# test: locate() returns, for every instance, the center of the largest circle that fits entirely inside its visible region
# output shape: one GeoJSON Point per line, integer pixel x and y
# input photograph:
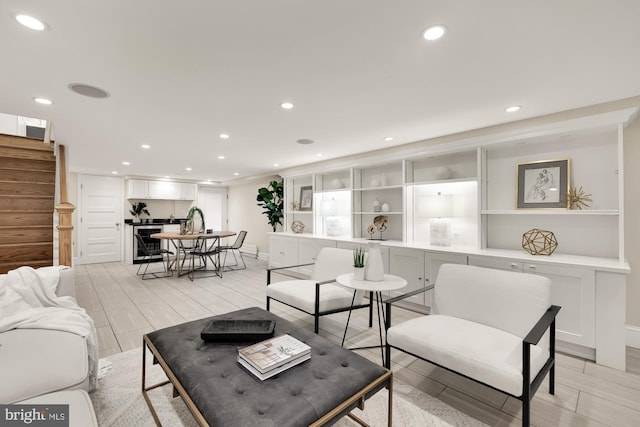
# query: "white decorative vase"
{"type": "Point", "coordinates": [374, 269]}
{"type": "Point", "coordinates": [385, 207]}
{"type": "Point", "coordinates": [376, 205]}
{"type": "Point", "coordinates": [443, 172]}
{"type": "Point", "coordinates": [358, 273]}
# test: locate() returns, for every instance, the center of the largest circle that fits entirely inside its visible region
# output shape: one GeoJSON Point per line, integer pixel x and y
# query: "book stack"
{"type": "Point", "coordinates": [274, 355]}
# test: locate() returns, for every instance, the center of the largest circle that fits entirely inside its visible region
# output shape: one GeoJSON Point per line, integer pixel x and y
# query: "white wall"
{"type": "Point", "coordinates": [245, 214]}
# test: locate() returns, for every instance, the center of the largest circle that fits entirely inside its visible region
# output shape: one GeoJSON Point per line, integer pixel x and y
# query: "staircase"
{"type": "Point", "coordinates": [27, 198]}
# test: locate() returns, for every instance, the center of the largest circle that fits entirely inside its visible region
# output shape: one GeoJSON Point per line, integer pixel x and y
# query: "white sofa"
{"type": "Point", "coordinates": [494, 327]}
{"type": "Point", "coordinates": [47, 366]}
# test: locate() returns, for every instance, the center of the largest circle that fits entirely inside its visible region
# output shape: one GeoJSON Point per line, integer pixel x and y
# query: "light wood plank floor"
{"type": "Point", "coordinates": [124, 307]}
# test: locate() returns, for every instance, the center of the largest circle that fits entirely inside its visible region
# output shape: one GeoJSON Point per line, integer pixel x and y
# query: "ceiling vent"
{"type": "Point", "coordinates": [87, 90]}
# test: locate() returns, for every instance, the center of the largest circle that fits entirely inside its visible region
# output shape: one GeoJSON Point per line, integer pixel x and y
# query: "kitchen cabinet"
{"type": "Point", "coordinates": [137, 189]}
{"type": "Point", "coordinates": [161, 190]}
{"type": "Point", "coordinates": [433, 261]}
{"type": "Point", "coordinates": [410, 265]}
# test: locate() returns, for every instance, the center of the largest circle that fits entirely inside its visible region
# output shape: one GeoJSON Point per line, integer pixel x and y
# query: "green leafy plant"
{"type": "Point", "coordinates": [190, 217]}
{"type": "Point", "coordinates": [271, 198]}
{"type": "Point", "coordinates": [358, 257]}
{"type": "Point", "coordinates": [138, 209]}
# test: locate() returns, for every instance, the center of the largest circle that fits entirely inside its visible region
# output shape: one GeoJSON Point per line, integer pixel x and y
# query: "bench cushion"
{"type": "Point", "coordinates": [81, 413]}
{"type": "Point", "coordinates": [302, 294]}
{"type": "Point", "coordinates": [486, 354]}
{"type": "Point", "coordinates": [38, 361]}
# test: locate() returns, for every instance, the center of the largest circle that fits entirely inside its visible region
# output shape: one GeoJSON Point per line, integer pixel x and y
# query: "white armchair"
{"type": "Point", "coordinates": [487, 325]}
{"type": "Point", "coordinates": [320, 295]}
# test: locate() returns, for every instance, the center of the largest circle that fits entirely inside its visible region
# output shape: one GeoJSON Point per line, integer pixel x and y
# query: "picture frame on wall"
{"type": "Point", "coordinates": [306, 198]}
{"type": "Point", "coordinates": [543, 184]}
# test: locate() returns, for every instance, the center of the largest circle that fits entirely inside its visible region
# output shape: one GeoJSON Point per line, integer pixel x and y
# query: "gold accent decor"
{"type": "Point", "coordinates": [539, 242]}
{"type": "Point", "coordinates": [578, 198]}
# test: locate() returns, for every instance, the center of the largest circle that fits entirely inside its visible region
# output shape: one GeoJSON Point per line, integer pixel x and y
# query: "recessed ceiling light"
{"type": "Point", "coordinates": [31, 22]}
{"type": "Point", "coordinates": [114, 172]}
{"type": "Point", "coordinates": [43, 101]}
{"type": "Point", "coordinates": [276, 164]}
{"type": "Point", "coordinates": [319, 155]}
{"type": "Point", "coordinates": [224, 136]}
{"type": "Point", "coordinates": [208, 180]}
{"type": "Point", "coordinates": [221, 157]}
{"type": "Point", "coordinates": [88, 90]}
{"type": "Point", "coordinates": [513, 108]}
{"type": "Point", "coordinates": [126, 163]}
{"type": "Point", "coordinates": [188, 169]}
{"type": "Point", "coordinates": [305, 141]}
{"type": "Point", "coordinates": [236, 173]}
{"type": "Point", "coordinates": [167, 176]}
{"type": "Point", "coordinates": [388, 138]}
{"type": "Point", "coordinates": [434, 32]}
{"type": "Point", "coordinates": [145, 146]}
{"type": "Point", "coordinates": [287, 105]}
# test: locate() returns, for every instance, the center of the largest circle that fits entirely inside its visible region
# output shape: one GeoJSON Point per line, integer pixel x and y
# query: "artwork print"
{"type": "Point", "coordinates": [543, 184]}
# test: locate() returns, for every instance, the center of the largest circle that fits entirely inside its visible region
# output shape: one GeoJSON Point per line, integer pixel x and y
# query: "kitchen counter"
{"type": "Point", "coordinates": [154, 221]}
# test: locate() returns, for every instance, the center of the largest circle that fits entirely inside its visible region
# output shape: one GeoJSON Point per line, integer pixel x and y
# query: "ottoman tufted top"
{"type": "Point", "coordinates": [228, 395]}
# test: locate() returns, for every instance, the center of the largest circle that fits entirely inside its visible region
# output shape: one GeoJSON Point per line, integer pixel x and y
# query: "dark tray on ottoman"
{"type": "Point", "coordinates": [237, 330]}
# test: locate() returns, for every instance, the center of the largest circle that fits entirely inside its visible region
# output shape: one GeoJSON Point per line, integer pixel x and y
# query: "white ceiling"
{"type": "Point", "coordinates": [181, 72]}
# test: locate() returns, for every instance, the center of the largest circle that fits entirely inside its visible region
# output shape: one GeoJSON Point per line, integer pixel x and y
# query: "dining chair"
{"type": "Point", "coordinates": [205, 250]}
{"type": "Point", "coordinates": [235, 248]}
{"type": "Point", "coordinates": [149, 255]}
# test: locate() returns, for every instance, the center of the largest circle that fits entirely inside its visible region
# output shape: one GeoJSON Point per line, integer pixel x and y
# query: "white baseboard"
{"type": "Point", "coordinates": [633, 336]}
{"type": "Point", "coordinates": [263, 256]}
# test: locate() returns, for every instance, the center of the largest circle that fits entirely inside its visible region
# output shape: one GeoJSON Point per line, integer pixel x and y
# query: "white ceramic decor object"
{"type": "Point", "coordinates": [374, 269]}
{"type": "Point", "coordinates": [385, 207]}
{"type": "Point", "coordinates": [376, 205]}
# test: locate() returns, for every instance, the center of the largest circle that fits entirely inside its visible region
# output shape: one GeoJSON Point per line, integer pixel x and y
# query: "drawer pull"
{"type": "Point", "coordinates": [513, 265]}
{"type": "Point", "coordinates": [531, 267]}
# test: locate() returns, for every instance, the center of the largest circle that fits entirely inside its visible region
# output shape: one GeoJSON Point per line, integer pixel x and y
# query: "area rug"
{"type": "Point", "coordinates": [118, 402]}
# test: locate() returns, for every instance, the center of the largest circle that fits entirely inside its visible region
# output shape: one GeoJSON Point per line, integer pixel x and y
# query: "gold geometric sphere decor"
{"type": "Point", "coordinates": [539, 242]}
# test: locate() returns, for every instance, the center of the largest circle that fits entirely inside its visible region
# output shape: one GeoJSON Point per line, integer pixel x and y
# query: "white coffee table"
{"type": "Point", "coordinates": [390, 283]}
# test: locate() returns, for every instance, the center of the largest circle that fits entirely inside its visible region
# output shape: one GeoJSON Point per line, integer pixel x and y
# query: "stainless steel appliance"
{"type": "Point", "coordinates": [145, 231]}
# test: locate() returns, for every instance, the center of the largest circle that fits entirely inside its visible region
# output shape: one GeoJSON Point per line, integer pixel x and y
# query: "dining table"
{"type": "Point", "coordinates": [211, 240]}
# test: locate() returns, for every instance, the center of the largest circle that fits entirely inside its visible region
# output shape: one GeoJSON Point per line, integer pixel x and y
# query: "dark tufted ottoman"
{"type": "Point", "coordinates": [219, 392]}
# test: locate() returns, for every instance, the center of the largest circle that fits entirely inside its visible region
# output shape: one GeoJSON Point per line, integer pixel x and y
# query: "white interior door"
{"type": "Point", "coordinates": [101, 218]}
{"type": "Point", "coordinates": [213, 202]}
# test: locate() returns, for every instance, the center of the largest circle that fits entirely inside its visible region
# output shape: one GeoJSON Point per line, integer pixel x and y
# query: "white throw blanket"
{"type": "Point", "coordinates": [28, 300]}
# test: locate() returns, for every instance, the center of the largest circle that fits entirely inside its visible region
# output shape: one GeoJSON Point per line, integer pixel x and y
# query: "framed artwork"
{"type": "Point", "coordinates": [543, 185]}
{"type": "Point", "coordinates": [306, 198]}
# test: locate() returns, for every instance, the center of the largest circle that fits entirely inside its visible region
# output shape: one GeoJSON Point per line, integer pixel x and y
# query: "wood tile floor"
{"type": "Point", "coordinates": [124, 307]}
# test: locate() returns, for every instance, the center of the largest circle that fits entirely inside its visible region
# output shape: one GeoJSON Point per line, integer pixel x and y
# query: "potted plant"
{"type": "Point", "coordinates": [271, 198]}
{"type": "Point", "coordinates": [358, 263]}
{"type": "Point", "coordinates": [191, 222]}
{"type": "Point", "coordinates": [138, 209]}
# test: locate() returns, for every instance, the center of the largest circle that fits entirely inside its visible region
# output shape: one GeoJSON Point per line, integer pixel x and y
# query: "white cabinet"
{"type": "Point", "coordinates": [308, 250]}
{"type": "Point", "coordinates": [283, 251]}
{"type": "Point", "coordinates": [189, 191]}
{"type": "Point", "coordinates": [573, 289]}
{"type": "Point", "coordinates": [137, 189]}
{"type": "Point", "coordinates": [161, 190]}
{"type": "Point", "coordinates": [410, 265]}
{"type": "Point", "coordinates": [165, 190]}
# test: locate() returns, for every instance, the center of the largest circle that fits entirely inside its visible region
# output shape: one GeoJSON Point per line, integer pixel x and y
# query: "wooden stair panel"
{"type": "Point", "coordinates": [12, 188]}
{"type": "Point", "coordinates": [18, 147]}
{"type": "Point", "coordinates": [26, 253]}
{"type": "Point", "coordinates": [26, 234]}
{"type": "Point", "coordinates": [24, 203]}
{"type": "Point", "coordinates": [23, 175]}
{"type": "Point", "coordinates": [16, 218]}
{"type": "Point", "coordinates": [6, 266]}
{"type": "Point", "coordinates": [28, 164]}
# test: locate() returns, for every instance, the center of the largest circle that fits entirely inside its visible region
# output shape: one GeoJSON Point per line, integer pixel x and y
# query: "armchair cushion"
{"type": "Point", "coordinates": [484, 353]}
{"type": "Point", "coordinates": [301, 294]}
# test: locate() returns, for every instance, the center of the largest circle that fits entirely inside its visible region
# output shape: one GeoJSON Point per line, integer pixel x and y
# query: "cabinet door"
{"type": "Point", "coordinates": [573, 289]}
{"type": "Point", "coordinates": [165, 190]}
{"type": "Point", "coordinates": [189, 192]}
{"type": "Point", "coordinates": [283, 251]}
{"type": "Point", "coordinates": [433, 261]}
{"type": "Point", "coordinates": [137, 189]}
{"type": "Point", "coordinates": [497, 263]}
{"type": "Point", "coordinates": [408, 264]}
{"type": "Point", "coordinates": [308, 250]}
